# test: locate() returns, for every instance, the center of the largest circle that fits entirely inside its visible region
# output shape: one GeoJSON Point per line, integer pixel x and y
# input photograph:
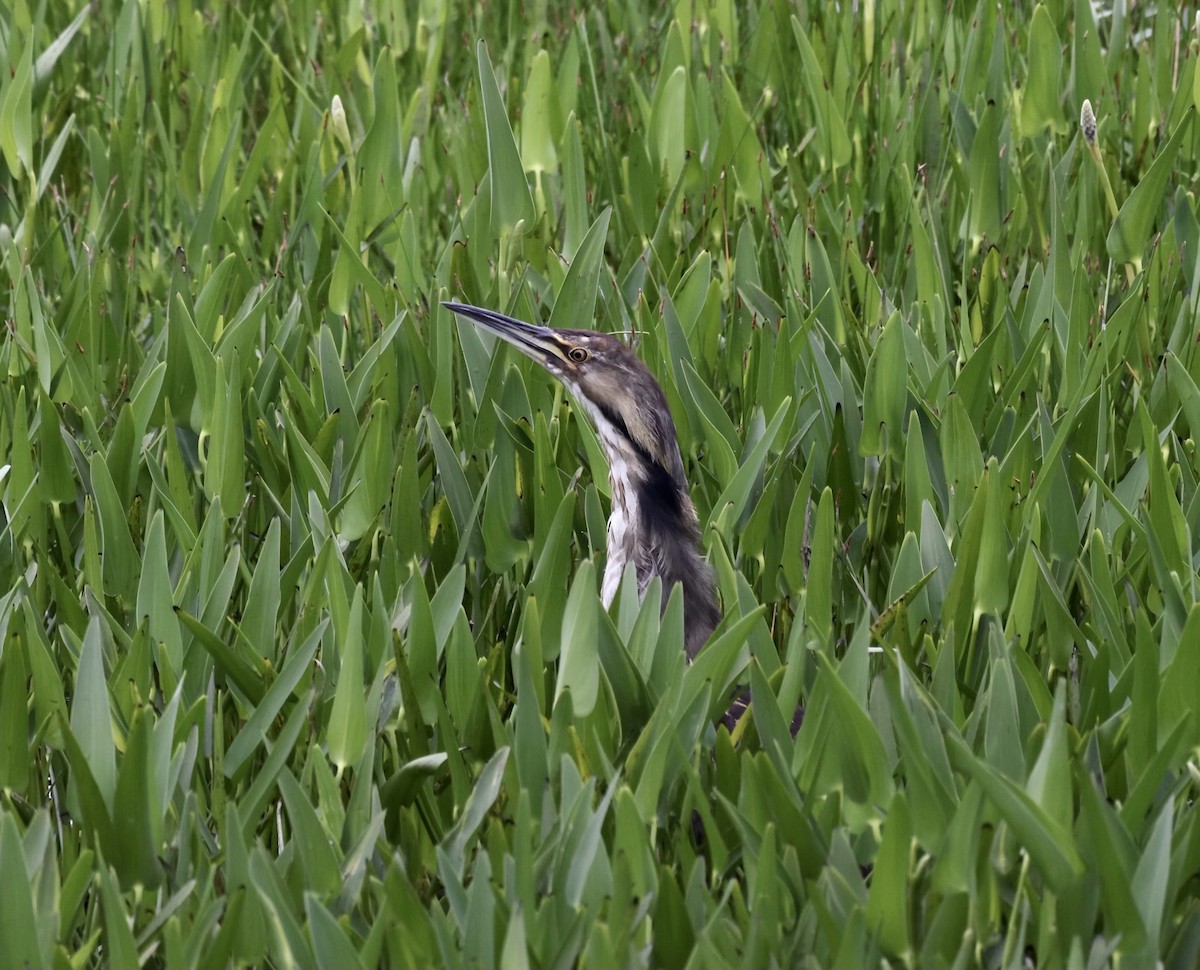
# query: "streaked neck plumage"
{"type": "Point", "coordinates": [653, 523]}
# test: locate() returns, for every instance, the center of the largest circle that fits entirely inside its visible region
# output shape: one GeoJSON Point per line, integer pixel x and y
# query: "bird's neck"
{"type": "Point", "coordinates": [623, 524]}
{"type": "Point", "coordinates": [653, 525]}
{"type": "Point", "coordinates": [658, 541]}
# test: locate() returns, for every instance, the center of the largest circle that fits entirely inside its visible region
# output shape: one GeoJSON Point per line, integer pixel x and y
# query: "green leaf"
{"type": "Point", "coordinates": [1153, 875]}
{"type": "Point", "coordinates": [137, 825]}
{"type": "Point", "coordinates": [514, 953]}
{"type": "Point", "coordinates": [402, 788]}
{"type": "Point", "coordinates": [885, 393]}
{"type": "Point", "coordinates": [537, 140]}
{"type": "Point", "coordinates": [991, 571]}
{"type": "Point", "coordinates": [289, 948]}
{"type": "Point", "coordinates": [719, 433]}
{"type": "Point", "coordinates": [818, 603]}
{"type": "Point", "coordinates": [1049, 782]}
{"type": "Point", "coordinates": [1130, 232]}
{"type": "Point", "coordinates": [421, 646]}
{"type": "Point", "coordinates": [14, 718]}
{"type": "Point", "coordinates": [331, 947]}
{"type": "Point", "coordinates": [483, 796]}
{"type": "Point", "coordinates": [889, 899]}
{"type": "Point", "coordinates": [119, 945]}
{"type": "Point", "coordinates": [986, 197]}
{"type": "Point", "coordinates": [56, 478]}
{"type": "Point", "coordinates": [155, 598]}
{"type": "Point", "coordinates": [852, 753]}
{"type": "Point", "coordinates": [575, 206]}
{"type": "Point", "coordinates": [91, 719]}
{"type": "Point", "coordinates": [120, 559]}
{"type": "Point", "coordinates": [247, 672]}
{"type": "Point", "coordinates": [347, 721]}
{"type": "Point", "coordinates": [1043, 87]}
{"type": "Point", "coordinates": [1173, 702]}
{"type": "Point", "coordinates": [512, 205]}
{"type": "Point", "coordinates": [380, 155]}
{"type": "Point", "coordinates": [920, 747]}
{"type": "Point", "coordinates": [225, 473]}
{"type": "Point", "coordinates": [962, 459]}
{"type": "Point", "coordinates": [668, 122]}
{"type": "Point", "coordinates": [263, 597]}
{"type": "Point", "coordinates": [834, 141]}
{"type": "Point", "coordinates": [315, 847]}
{"type": "Point", "coordinates": [49, 698]}
{"type": "Point", "coordinates": [1002, 735]}
{"type": "Point", "coordinates": [16, 113]}
{"type": "Point", "coordinates": [252, 801]}
{"type": "Point", "coordinates": [1167, 525]}
{"type": "Point", "coordinates": [350, 271]}
{"type": "Point", "coordinates": [733, 499]}
{"type": "Point", "coordinates": [674, 936]}
{"type": "Point", "coordinates": [49, 58]}
{"type": "Point", "coordinates": [579, 663]}
{"type": "Point", "coordinates": [1051, 847]}
{"type": "Point", "coordinates": [19, 945]}
{"type": "Point", "coordinates": [576, 301]}
{"type": "Point", "coordinates": [254, 729]}
{"type": "Point", "coordinates": [458, 491]}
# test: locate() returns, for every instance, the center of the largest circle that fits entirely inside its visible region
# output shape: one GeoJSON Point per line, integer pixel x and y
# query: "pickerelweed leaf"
{"type": "Point", "coordinates": [19, 943]}
{"type": "Point", "coordinates": [1051, 847]}
{"type": "Point", "coordinates": [579, 662]}
{"type": "Point", "coordinates": [347, 731]}
{"type": "Point", "coordinates": [1131, 230]}
{"type": "Point", "coordinates": [1040, 99]}
{"type": "Point", "coordinates": [480, 802]}
{"type": "Point", "coordinates": [885, 393]}
{"type": "Point", "coordinates": [254, 731]}
{"type": "Point", "coordinates": [16, 123]}
{"type": "Point", "coordinates": [512, 204]}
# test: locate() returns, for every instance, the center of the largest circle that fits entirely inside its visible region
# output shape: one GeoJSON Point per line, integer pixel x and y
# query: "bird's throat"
{"type": "Point", "coordinates": [622, 526]}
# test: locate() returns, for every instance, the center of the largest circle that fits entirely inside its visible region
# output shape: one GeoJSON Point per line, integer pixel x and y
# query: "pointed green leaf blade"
{"type": "Point", "coordinates": [512, 204]}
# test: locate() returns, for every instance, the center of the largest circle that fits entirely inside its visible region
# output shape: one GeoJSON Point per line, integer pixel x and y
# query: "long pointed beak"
{"type": "Point", "coordinates": [540, 343]}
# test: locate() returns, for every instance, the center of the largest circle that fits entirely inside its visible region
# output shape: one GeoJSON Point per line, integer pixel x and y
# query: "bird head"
{"type": "Point", "coordinates": [624, 401]}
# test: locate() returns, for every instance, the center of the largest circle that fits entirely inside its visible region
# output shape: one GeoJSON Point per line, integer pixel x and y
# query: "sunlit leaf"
{"type": "Point", "coordinates": [1142, 210]}
{"type": "Point", "coordinates": [512, 204]}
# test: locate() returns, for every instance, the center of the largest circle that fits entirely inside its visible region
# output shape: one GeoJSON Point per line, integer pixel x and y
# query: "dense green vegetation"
{"type": "Point", "coordinates": [302, 661]}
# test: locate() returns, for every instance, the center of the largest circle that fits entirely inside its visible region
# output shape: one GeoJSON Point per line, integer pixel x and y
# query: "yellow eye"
{"type": "Point", "coordinates": [577, 354]}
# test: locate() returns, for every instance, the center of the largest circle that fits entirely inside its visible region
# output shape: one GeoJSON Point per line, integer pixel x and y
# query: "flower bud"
{"type": "Point", "coordinates": [340, 128]}
{"type": "Point", "coordinates": [1087, 121]}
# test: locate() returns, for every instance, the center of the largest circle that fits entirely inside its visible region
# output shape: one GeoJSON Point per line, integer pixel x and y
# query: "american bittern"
{"type": "Point", "coordinates": [653, 523]}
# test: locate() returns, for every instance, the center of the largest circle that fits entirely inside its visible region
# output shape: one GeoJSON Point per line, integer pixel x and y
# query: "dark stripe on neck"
{"type": "Point", "coordinates": [614, 418]}
{"type": "Point", "coordinates": [658, 492]}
